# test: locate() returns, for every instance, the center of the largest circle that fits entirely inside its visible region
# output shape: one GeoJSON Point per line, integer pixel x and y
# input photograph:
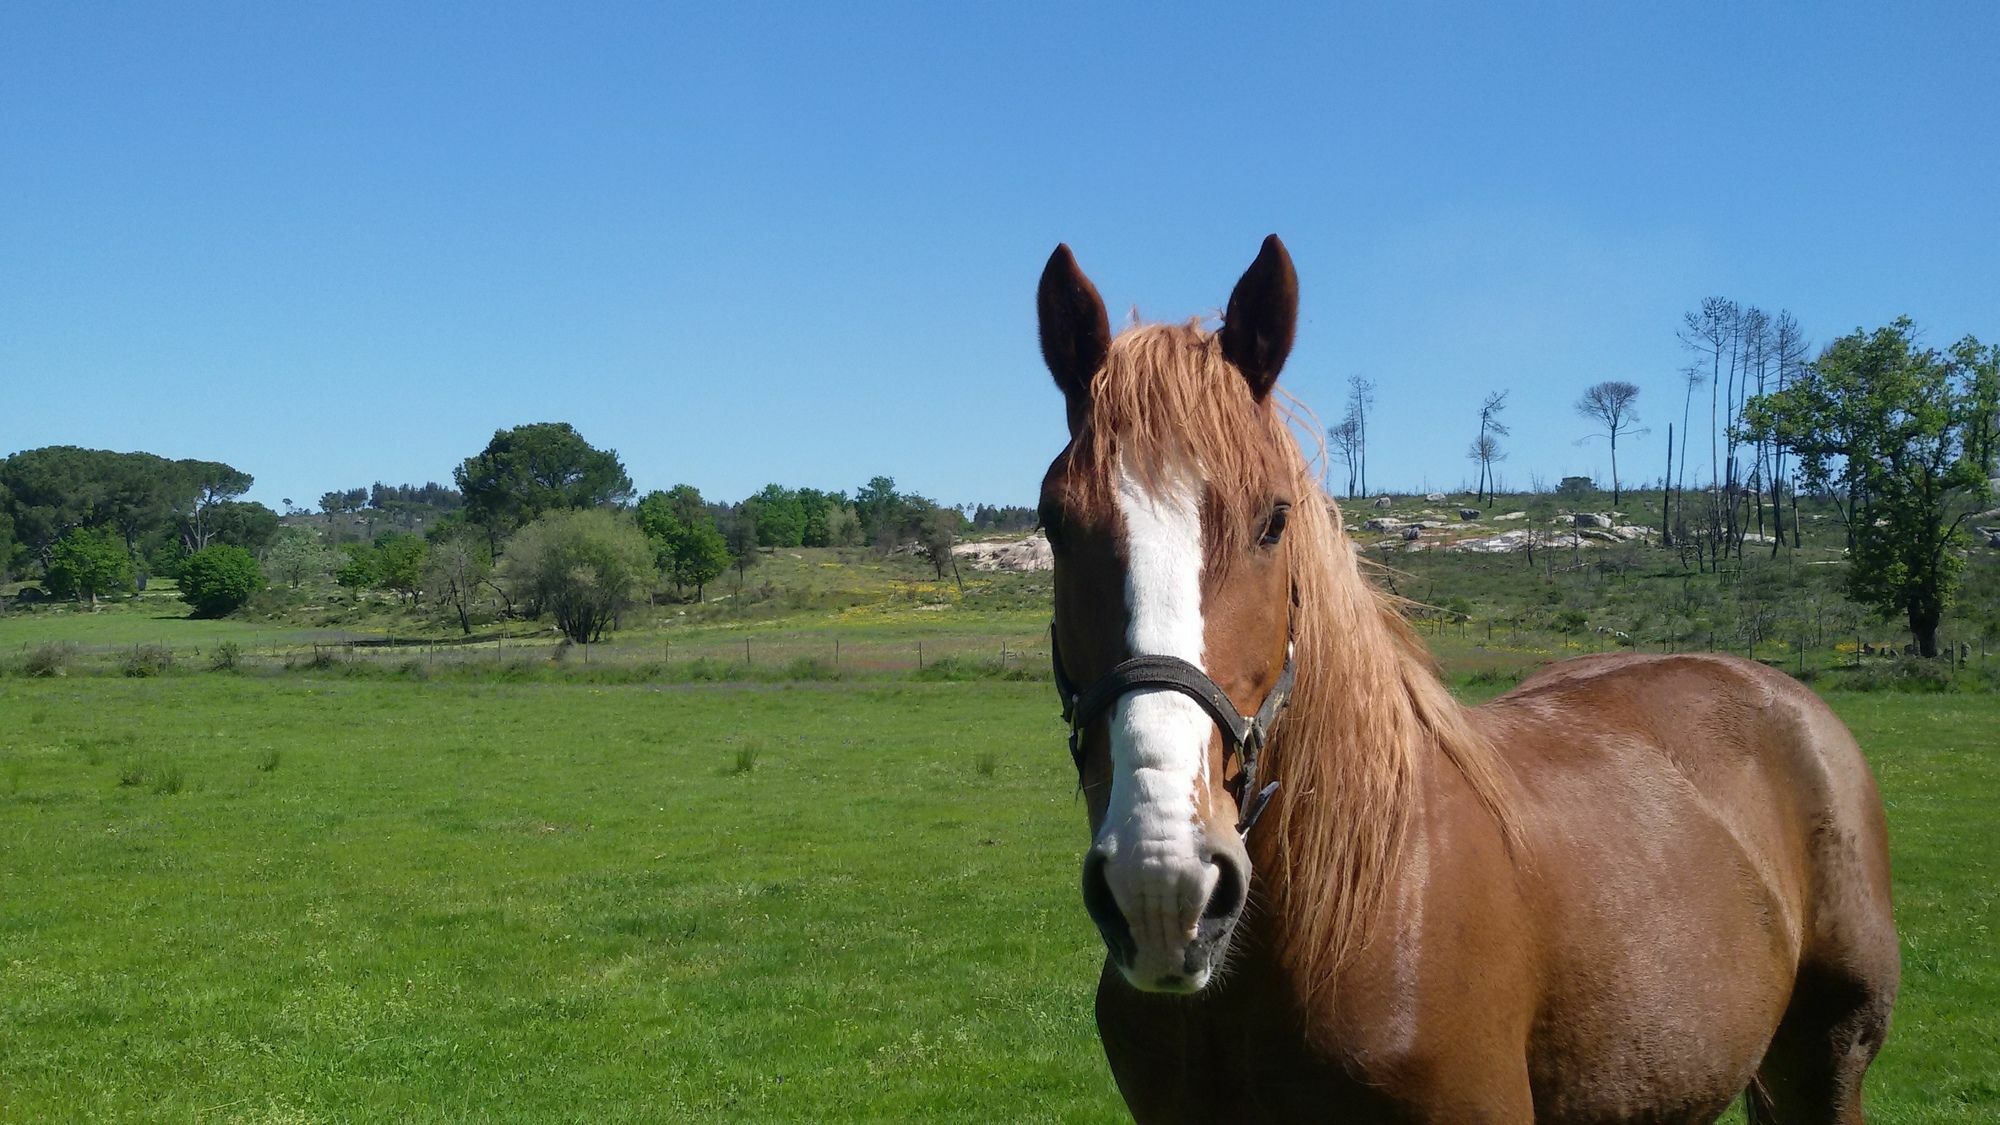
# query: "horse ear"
{"type": "Point", "coordinates": [1263, 314]}
{"type": "Point", "coordinates": [1076, 333]}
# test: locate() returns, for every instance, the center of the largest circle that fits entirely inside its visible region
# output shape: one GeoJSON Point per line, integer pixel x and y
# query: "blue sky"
{"type": "Point", "coordinates": [740, 243]}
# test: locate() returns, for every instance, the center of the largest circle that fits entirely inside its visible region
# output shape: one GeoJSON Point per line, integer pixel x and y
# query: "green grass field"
{"type": "Point", "coordinates": [292, 898]}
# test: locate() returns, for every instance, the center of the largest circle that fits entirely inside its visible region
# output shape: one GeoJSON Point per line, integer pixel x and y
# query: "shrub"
{"type": "Point", "coordinates": [147, 660]}
{"type": "Point", "coordinates": [320, 660]}
{"type": "Point", "coordinates": [809, 669]}
{"type": "Point", "coordinates": [218, 580]}
{"type": "Point", "coordinates": [226, 657]}
{"type": "Point", "coordinates": [51, 659]}
{"type": "Point", "coordinates": [1908, 674]}
{"type": "Point", "coordinates": [581, 567]}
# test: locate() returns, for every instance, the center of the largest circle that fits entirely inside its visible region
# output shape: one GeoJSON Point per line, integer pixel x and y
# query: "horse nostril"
{"type": "Point", "coordinates": [1225, 903]}
{"type": "Point", "coordinates": [1103, 909]}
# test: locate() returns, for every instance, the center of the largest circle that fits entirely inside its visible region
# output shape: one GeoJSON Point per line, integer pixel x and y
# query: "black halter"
{"type": "Point", "coordinates": [1243, 734]}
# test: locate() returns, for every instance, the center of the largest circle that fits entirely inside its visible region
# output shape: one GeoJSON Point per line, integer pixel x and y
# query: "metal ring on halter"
{"type": "Point", "coordinates": [1245, 735]}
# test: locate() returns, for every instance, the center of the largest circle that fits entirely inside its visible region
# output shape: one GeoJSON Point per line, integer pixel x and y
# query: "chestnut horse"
{"type": "Point", "coordinates": [1629, 890]}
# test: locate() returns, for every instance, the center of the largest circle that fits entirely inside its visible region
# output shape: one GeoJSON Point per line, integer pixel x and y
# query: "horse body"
{"type": "Point", "coordinates": [1632, 889]}
{"type": "Point", "coordinates": [1696, 879]}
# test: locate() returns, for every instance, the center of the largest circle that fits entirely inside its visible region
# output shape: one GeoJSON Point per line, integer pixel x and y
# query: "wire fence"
{"type": "Point", "coordinates": [749, 657]}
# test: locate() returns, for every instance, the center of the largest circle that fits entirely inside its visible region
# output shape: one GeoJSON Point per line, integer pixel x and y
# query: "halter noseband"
{"type": "Point", "coordinates": [1243, 734]}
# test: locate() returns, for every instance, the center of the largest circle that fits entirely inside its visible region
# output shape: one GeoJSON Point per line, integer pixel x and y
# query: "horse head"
{"type": "Point", "coordinates": [1167, 515]}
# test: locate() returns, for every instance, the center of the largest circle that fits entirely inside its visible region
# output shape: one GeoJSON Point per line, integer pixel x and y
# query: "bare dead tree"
{"type": "Point", "coordinates": [1709, 332]}
{"type": "Point", "coordinates": [1345, 439]}
{"type": "Point", "coordinates": [1485, 450]}
{"type": "Point", "coordinates": [1790, 349]}
{"type": "Point", "coordinates": [1360, 396]}
{"type": "Point", "coordinates": [1612, 404]}
{"type": "Point", "coordinates": [1486, 447]}
{"type": "Point", "coordinates": [1748, 352]}
{"type": "Point", "coordinates": [1692, 376]}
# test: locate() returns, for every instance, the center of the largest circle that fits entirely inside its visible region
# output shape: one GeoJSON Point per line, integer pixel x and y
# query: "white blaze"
{"type": "Point", "coordinates": [1159, 738]}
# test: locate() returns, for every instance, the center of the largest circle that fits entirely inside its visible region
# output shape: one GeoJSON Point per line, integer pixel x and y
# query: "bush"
{"type": "Point", "coordinates": [147, 660]}
{"type": "Point", "coordinates": [1905, 674]}
{"type": "Point", "coordinates": [581, 567]}
{"type": "Point", "coordinates": [50, 659]}
{"type": "Point", "coordinates": [226, 657]}
{"type": "Point", "coordinates": [219, 580]}
{"type": "Point", "coordinates": [321, 660]}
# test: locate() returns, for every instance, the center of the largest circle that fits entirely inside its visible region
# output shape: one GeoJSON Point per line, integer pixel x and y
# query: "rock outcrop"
{"type": "Point", "coordinates": [1031, 553]}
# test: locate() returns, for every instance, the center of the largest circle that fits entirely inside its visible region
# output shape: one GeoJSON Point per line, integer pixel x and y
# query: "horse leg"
{"type": "Point", "coordinates": [1811, 1074]}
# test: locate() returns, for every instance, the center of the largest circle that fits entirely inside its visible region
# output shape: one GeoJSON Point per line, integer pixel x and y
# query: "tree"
{"type": "Point", "coordinates": [1486, 447]}
{"type": "Point", "coordinates": [85, 564]}
{"type": "Point", "coordinates": [1789, 348]}
{"type": "Point", "coordinates": [6, 537]}
{"type": "Point", "coordinates": [780, 517]}
{"type": "Point", "coordinates": [51, 491]}
{"type": "Point", "coordinates": [813, 507]}
{"type": "Point", "coordinates": [401, 559]}
{"type": "Point", "coordinates": [362, 568]}
{"type": "Point", "coordinates": [296, 556]}
{"type": "Point", "coordinates": [1981, 368]}
{"type": "Point", "coordinates": [454, 569]}
{"type": "Point", "coordinates": [1360, 396]}
{"type": "Point", "coordinates": [537, 468]}
{"type": "Point", "coordinates": [1346, 441]}
{"type": "Point", "coordinates": [697, 556]}
{"type": "Point", "coordinates": [843, 526]}
{"type": "Point", "coordinates": [241, 523]}
{"type": "Point", "coordinates": [740, 537]}
{"type": "Point", "coordinates": [1894, 429]}
{"type": "Point", "coordinates": [203, 487]}
{"type": "Point", "coordinates": [138, 496]}
{"type": "Point", "coordinates": [686, 545]}
{"type": "Point", "coordinates": [219, 580]}
{"type": "Point", "coordinates": [878, 506]}
{"type": "Point", "coordinates": [582, 567]}
{"type": "Point", "coordinates": [937, 531]}
{"type": "Point", "coordinates": [1611, 404]}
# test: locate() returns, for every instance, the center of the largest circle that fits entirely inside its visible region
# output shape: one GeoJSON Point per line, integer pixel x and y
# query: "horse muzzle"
{"type": "Point", "coordinates": [1166, 922]}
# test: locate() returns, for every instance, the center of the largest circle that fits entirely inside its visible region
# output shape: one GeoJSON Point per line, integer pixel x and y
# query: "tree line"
{"type": "Point", "coordinates": [539, 521]}
{"type": "Point", "coordinates": [92, 522]}
{"type": "Point", "coordinates": [1901, 438]}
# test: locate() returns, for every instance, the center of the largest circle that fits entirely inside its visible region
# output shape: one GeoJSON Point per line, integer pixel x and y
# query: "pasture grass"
{"type": "Point", "coordinates": [538, 902]}
{"type": "Point", "coordinates": [552, 901]}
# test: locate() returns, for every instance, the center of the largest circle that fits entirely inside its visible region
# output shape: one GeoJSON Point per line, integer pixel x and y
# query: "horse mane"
{"type": "Point", "coordinates": [1368, 710]}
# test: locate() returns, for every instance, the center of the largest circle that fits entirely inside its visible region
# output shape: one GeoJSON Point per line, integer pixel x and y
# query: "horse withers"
{"type": "Point", "coordinates": [1631, 889]}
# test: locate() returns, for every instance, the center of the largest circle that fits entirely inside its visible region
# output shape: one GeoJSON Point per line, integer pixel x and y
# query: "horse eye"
{"type": "Point", "coordinates": [1050, 521]}
{"type": "Point", "coordinates": [1274, 529]}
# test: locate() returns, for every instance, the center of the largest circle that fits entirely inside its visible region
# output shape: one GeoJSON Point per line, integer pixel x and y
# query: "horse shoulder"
{"type": "Point", "coordinates": [1436, 1011]}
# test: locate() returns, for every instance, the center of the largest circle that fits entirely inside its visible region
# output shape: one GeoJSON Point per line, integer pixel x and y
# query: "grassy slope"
{"type": "Point", "coordinates": [559, 902]}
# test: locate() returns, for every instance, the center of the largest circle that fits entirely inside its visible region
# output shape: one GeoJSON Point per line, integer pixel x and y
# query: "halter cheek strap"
{"type": "Point", "coordinates": [1245, 735]}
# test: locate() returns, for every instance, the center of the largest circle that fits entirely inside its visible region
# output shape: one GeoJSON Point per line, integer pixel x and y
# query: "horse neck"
{"type": "Point", "coordinates": [1353, 759]}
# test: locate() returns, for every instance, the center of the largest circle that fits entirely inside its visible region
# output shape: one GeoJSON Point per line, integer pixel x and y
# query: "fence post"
{"type": "Point", "coordinates": [920, 656]}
